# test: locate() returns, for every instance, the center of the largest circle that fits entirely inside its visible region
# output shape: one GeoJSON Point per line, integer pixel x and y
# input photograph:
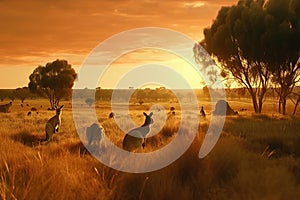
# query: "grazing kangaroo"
{"type": "Point", "coordinates": [5, 108]}
{"type": "Point", "coordinates": [33, 109]}
{"type": "Point", "coordinates": [53, 124]}
{"type": "Point", "coordinates": [95, 133]}
{"type": "Point", "coordinates": [136, 138]}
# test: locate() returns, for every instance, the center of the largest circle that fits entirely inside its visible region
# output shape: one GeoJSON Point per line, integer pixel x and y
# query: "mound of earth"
{"type": "Point", "coordinates": [223, 108]}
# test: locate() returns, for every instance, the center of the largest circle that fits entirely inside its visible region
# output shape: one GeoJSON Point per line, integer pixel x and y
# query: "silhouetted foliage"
{"type": "Point", "coordinates": [158, 94]}
{"type": "Point", "coordinates": [103, 94]}
{"type": "Point", "coordinates": [140, 95]}
{"type": "Point", "coordinates": [3, 94]}
{"type": "Point", "coordinates": [22, 93]}
{"type": "Point", "coordinates": [11, 95]}
{"type": "Point", "coordinates": [257, 41]}
{"type": "Point", "coordinates": [207, 65]}
{"type": "Point", "coordinates": [235, 39]}
{"type": "Point", "coordinates": [282, 43]}
{"type": "Point", "coordinates": [54, 81]}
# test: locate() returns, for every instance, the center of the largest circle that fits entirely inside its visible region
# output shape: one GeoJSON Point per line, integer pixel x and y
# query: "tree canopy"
{"type": "Point", "coordinates": [282, 43]}
{"type": "Point", "coordinates": [256, 41]}
{"type": "Point", "coordinates": [54, 81]}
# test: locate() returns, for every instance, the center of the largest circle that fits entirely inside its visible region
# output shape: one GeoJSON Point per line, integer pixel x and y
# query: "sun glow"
{"type": "Point", "coordinates": [136, 59]}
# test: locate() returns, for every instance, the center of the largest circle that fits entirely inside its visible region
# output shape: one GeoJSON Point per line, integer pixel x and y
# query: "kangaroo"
{"type": "Point", "coordinates": [95, 133]}
{"type": "Point", "coordinates": [202, 112]}
{"type": "Point", "coordinates": [111, 115]}
{"type": "Point", "coordinates": [5, 108]}
{"type": "Point", "coordinates": [136, 138]}
{"type": "Point", "coordinates": [53, 124]}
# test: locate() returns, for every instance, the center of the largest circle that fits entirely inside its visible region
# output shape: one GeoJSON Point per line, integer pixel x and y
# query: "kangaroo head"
{"type": "Point", "coordinates": [148, 119]}
{"type": "Point", "coordinates": [58, 110]}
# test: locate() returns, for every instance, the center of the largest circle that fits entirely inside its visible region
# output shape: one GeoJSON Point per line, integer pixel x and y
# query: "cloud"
{"type": "Point", "coordinates": [34, 26]}
{"type": "Point", "coordinates": [195, 4]}
{"type": "Point", "coordinates": [35, 31]}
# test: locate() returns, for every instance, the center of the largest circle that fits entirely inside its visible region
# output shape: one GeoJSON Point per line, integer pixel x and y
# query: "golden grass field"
{"type": "Point", "coordinates": [257, 157]}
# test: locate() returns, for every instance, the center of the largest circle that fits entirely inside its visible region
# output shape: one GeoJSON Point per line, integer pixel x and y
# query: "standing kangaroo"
{"type": "Point", "coordinates": [136, 138]}
{"type": "Point", "coordinates": [202, 112]}
{"type": "Point", "coordinates": [53, 124]}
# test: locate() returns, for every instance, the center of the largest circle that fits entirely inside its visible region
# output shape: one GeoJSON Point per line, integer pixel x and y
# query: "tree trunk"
{"type": "Point", "coordinates": [279, 105]}
{"type": "Point", "coordinates": [254, 101]}
{"type": "Point", "coordinates": [296, 105]}
{"type": "Point", "coordinates": [283, 106]}
{"type": "Point", "coordinates": [52, 102]}
{"type": "Point", "coordinates": [282, 102]}
{"type": "Point", "coordinates": [261, 99]}
{"type": "Point", "coordinates": [260, 104]}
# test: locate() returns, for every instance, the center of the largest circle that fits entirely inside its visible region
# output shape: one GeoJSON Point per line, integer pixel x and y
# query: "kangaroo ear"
{"type": "Point", "coordinates": [61, 107]}
{"type": "Point", "coordinates": [145, 114]}
{"type": "Point", "coordinates": [55, 107]}
{"type": "Point", "coordinates": [150, 115]}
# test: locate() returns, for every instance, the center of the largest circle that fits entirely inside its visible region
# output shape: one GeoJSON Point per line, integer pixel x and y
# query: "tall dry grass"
{"type": "Point", "coordinates": [240, 166]}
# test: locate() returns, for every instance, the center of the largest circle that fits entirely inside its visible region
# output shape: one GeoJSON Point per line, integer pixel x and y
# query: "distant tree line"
{"type": "Point", "coordinates": [139, 95]}
{"type": "Point", "coordinates": [16, 94]}
{"type": "Point", "coordinates": [154, 95]}
{"type": "Point", "coordinates": [257, 43]}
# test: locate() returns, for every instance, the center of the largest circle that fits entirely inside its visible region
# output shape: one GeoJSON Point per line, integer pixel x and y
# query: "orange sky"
{"type": "Point", "coordinates": [36, 32]}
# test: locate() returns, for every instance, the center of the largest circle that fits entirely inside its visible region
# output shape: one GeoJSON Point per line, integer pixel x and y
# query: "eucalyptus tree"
{"type": "Point", "coordinates": [282, 46]}
{"type": "Point", "coordinates": [235, 41]}
{"type": "Point", "coordinates": [54, 81]}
